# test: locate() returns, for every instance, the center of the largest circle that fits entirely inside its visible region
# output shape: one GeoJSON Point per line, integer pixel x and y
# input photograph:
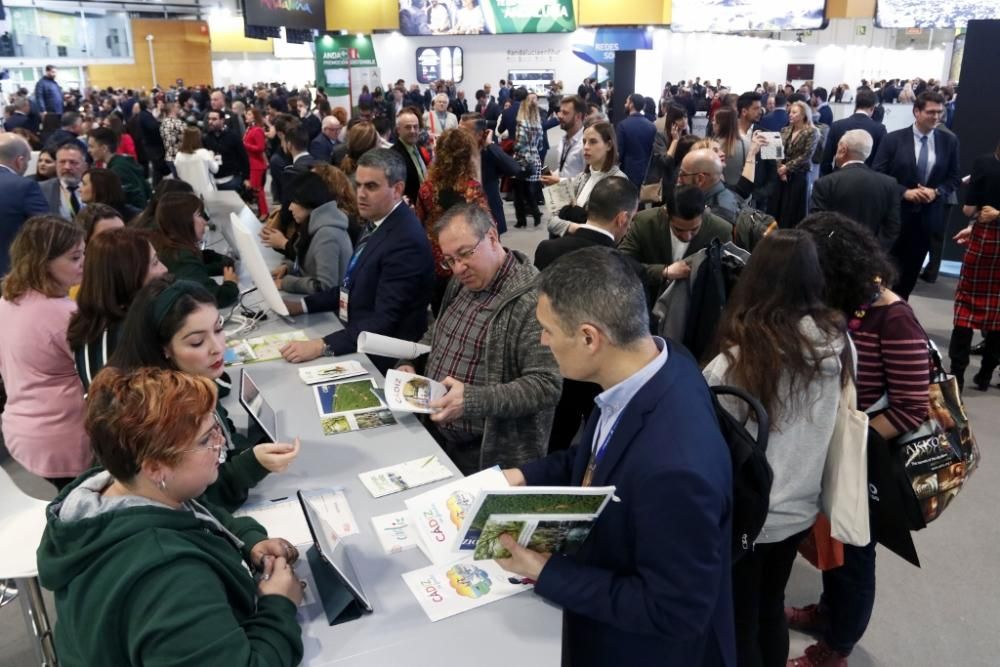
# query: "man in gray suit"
{"type": "Point", "coordinates": [63, 192]}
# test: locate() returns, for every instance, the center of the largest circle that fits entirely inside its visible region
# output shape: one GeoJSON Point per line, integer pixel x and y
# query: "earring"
{"type": "Point", "coordinates": [163, 484]}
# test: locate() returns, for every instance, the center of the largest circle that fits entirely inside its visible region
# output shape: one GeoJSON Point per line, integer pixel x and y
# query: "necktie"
{"type": "Point", "coordinates": [419, 162]}
{"type": "Point", "coordinates": [74, 203]}
{"type": "Point", "coordinates": [922, 161]}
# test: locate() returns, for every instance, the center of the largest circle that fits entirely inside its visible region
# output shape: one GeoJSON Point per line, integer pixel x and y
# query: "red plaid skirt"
{"type": "Point", "coordinates": [977, 298]}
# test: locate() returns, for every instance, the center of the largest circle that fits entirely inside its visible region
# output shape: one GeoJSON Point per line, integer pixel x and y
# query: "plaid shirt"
{"type": "Point", "coordinates": [459, 341]}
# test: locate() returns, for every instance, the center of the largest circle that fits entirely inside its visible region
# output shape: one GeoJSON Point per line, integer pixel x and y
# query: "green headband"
{"type": "Point", "coordinates": [166, 299]}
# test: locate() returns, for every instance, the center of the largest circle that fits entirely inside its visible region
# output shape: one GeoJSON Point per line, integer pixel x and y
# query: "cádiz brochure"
{"type": "Point", "coordinates": [262, 348]}
{"type": "Point", "coordinates": [406, 392]}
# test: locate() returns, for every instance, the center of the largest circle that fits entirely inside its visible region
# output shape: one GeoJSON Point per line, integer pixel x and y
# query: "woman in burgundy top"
{"type": "Point", "coordinates": [893, 361]}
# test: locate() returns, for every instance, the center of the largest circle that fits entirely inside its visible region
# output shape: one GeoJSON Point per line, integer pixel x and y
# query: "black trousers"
{"type": "Point", "coordinates": [960, 346]}
{"type": "Point", "coordinates": [524, 201]}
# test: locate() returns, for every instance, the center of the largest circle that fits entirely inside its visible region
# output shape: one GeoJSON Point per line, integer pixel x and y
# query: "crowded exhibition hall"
{"type": "Point", "coordinates": [655, 333]}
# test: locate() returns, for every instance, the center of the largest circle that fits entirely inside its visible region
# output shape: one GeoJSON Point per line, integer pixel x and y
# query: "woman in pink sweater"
{"type": "Point", "coordinates": [43, 420]}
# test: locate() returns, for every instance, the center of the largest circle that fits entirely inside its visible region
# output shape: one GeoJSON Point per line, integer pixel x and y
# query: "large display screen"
{"type": "Point", "coordinates": [740, 15]}
{"type": "Point", "coordinates": [485, 17]}
{"type": "Point", "coordinates": [302, 14]}
{"type": "Point", "coordinates": [921, 14]}
{"type": "Point", "coordinates": [439, 63]}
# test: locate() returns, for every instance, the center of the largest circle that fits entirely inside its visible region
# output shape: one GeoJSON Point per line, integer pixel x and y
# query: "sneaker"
{"type": "Point", "coordinates": [805, 619]}
{"type": "Point", "coordinates": [819, 655]}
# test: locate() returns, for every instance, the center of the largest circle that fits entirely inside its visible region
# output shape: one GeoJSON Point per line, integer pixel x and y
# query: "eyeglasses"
{"type": "Point", "coordinates": [462, 256]}
{"type": "Point", "coordinates": [216, 434]}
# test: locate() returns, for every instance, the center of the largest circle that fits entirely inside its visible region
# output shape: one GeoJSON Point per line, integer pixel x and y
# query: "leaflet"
{"type": "Point", "coordinates": [403, 476]}
{"type": "Point", "coordinates": [774, 149]}
{"type": "Point", "coordinates": [262, 348]}
{"type": "Point", "coordinates": [395, 532]}
{"type": "Point", "coordinates": [446, 590]}
{"type": "Point", "coordinates": [387, 346]}
{"type": "Point", "coordinates": [559, 195]}
{"type": "Point", "coordinates": [351, 406]}
{"type": "Point", "coordinates": [553, 533]}
{"type": "Point", "coordinates": [406, 392]}
{"type": "Point", "coordinates": [331, 372]}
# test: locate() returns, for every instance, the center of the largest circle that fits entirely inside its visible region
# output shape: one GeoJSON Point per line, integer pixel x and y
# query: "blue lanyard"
{"type": "Point", "coordinates": [603, 447]}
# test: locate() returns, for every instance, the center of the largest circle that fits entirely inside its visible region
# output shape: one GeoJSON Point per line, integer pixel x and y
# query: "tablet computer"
{"type": "Point", "coordinates": [333, 553]}
{"type": "Point", "coordinates": [259, 410]}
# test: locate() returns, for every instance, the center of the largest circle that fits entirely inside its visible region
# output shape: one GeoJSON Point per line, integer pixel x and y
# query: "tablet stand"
{"type": "Point", "coordinates": [339, 602]}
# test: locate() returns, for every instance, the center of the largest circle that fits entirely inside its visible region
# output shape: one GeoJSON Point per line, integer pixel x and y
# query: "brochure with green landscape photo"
{"type": "Point", "coordinates": [351, 406]}
{"type": "Point", "coordinates": [554, 534]}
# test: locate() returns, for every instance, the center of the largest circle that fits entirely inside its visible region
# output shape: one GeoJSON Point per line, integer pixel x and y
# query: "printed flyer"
{"type": "Point", "coordinates": [406, 392]}
{"type": "Point", "coordinates": [395, 532]}
{"type": "Point", "coordinates": [262, 348]}
{"type": "Point", "coordinates": [403, 476]}
{"type": "Point", "coordinates": [446, 590]}
{"type": "Point", "coordinates": [351, 406]}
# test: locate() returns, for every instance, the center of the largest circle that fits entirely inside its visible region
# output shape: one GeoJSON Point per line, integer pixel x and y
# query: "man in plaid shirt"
{"type": "Point", "coordinates": [503, 385]}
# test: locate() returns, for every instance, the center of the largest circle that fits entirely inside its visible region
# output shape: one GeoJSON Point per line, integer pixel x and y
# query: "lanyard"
{"type": "Point", "coordinates": [565, 153]}
{"type": "Point", "coordinates": [598, 452]}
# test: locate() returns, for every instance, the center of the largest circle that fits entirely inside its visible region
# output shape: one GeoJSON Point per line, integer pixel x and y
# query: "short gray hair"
{"type": "Point", "coordinates": [388, 161]}
{"type": "Point", "coordinates": [858, 143]}
{"type": "Point", "coordinates": [13, 146]}
{"type": "Point", "coordinates": [478, 220]}
{"type": "Point", "coordinates": [600, 287]}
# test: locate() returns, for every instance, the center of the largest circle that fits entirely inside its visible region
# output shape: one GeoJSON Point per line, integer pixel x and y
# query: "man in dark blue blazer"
{"type": "Point", "coordinates": [508, 117]}
{"type": "Point", "coordinates": [20, 197]}
{"type": "Point", "coordinates": [775, 121]}
{"type": "Point", "coordinates": [924, 163]}
{"type": "Point", "coordinates": [651, 584]}
{"type": "Point", "coordinates": [636, 135]}
{"type": "Point", "coordinates": [864, 107]}
{"type": "Point", "coordinates": [388, 283]}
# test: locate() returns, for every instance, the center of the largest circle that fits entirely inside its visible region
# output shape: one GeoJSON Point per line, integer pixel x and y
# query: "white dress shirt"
{"type": "Point", "coordinates": [573, 163]}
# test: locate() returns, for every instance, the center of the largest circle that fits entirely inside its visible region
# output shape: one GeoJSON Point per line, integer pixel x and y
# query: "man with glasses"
{"type": "Point", "coordinates": [924, 162]}
{"type": "Point", "coordinates": [503, 385]}
{"type": "Point", "coordinates": [703, 169]}
{"type": "Point", "coordinates": [661, 239]}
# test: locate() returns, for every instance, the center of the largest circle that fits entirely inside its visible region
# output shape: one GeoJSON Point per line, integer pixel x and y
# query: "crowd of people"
{"type": "Point", "coordinates": [390, 215]}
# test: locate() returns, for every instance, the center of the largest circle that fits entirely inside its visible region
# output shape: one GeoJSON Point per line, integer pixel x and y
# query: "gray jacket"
{"type": "Point", "coordinates": [556, 225]}
{"type": "Point", "coordinates": [523, 384]}
{"type": "Point", "coordinates": [329, 253]}
{"type": "Point", "coordinates": [724, 202]}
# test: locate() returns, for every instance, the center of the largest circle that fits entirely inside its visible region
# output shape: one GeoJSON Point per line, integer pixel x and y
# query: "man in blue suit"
{"type": "Point", "coordinates": [924, 162]}
{"type": "Point", "coordinates": [776, 120]}
{"type": "Point", "coordinates": [20, 197]}
{"type": "Point", "coordinates": [508, 117]}
{"type": "Point", "coordinates": [864, 107]}
{"type": "Point", "coordinates": [636, 135]}
{"type": "Point", "coordinates": [387, 287]}
{"type": "Point", "coordinates": [651, 584]}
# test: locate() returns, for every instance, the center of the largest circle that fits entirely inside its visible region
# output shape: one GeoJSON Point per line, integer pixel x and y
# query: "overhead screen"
{"type": "Point", "coordinates": [301, 14]}
{"type": "Point", "coordinates": [740, 15]}
{"type": "Point", "coordinates": [921, 14]}
{"type": "Point", "coordinates": [485, 17]}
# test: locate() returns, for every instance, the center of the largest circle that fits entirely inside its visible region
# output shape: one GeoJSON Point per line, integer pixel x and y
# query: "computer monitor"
{"type": "Point", "coordinates": [253, 261]}
{"type": "Point", "coordinates": [260, 410]}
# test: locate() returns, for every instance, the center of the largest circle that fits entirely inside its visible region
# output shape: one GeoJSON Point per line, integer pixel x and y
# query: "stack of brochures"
{"type": "Point", "coordinates": [262, 348]}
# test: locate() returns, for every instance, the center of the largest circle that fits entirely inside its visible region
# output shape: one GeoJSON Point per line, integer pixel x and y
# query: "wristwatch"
{"type": "Point", "coordinates": [327, 350]}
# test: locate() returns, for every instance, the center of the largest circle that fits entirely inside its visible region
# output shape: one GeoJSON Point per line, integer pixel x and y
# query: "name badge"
{"type": "Point", "coordinates": [344, 301]}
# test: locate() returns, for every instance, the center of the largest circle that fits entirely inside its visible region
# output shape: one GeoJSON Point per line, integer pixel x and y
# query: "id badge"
{"type": "Point", "coordinates": [344, 301]}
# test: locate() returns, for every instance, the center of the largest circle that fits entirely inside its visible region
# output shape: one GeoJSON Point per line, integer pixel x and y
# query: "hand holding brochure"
{"type": "Point", "coordinates": [387, 346]}
{"type": "Point", "coordinates": [546, 533]}
{"type": "Point", "coordinates": [774, 149]}
{"type": "Point", "coordinates": [558, 195]}
{"type": "Point", "coordinates": [406, 392]}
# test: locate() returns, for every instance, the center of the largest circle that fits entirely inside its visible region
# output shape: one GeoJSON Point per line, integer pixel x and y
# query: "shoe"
{"type": "Point", "coordinates": [929, 277]}
{"type": "Point", "coordinates": [982, 380]}
{"type": "Point", "coordinates": [978, 349]}
{"type": "Point", "coordinates": [805, 619]}
{"type": "Point", "coordinates": [520, 225]}
{"type": "Point", "coordinates": [538, 220]}
{"type": "Point", "coordinates": [819, 655]}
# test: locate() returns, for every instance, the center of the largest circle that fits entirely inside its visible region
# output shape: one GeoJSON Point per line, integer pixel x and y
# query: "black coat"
{"type": "Point", "coordinates": [857, 121]}
{"type": "Point", "coordinates": [864, 195]}
{"type": "Point", "coordinates": [412, 176]}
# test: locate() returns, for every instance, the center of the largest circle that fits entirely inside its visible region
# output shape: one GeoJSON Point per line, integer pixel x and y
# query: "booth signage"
{"type": "Point", "coordinates": [485, 17]}
{"type": "Point", "coordinates": [301, 14]}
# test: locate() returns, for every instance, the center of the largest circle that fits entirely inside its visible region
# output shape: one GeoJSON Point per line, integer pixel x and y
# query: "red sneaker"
{"type": "Point", "coordinates": [819, 655]}
{"type": "Point", "coordinates": [805, 619]}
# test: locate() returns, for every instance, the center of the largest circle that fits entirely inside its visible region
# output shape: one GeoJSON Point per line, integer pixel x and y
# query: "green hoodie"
{"type": "Point", "coordinates": [136, 187]}
{"type": "Point", "coordinates": [139, 583]}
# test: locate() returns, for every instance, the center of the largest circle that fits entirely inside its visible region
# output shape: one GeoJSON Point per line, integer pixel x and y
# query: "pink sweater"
{"type": "Point", "coordinates": [43, 420]}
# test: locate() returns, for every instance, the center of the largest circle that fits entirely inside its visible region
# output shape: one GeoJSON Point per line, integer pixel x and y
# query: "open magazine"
{"type": "Point", "coordinates": [406, 392]}
{"type": "Point", "coordinates": [351, 406]}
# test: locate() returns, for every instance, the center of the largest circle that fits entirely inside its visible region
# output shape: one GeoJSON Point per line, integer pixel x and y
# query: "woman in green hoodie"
{"type": "Point", "coordinates": [174, 324]}
{"type": "Point", "coordinates": [145, 570]}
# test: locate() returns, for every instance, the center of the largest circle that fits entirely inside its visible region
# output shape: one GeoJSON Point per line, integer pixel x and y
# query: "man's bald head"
{"type": "Point", "coordinates": [14, 152]}
{"type": "Point", "coordinates": [701, 167]}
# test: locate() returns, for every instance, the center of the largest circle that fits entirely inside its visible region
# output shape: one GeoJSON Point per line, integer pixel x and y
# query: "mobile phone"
{"type": "Point", "coordinates": [546, 171]}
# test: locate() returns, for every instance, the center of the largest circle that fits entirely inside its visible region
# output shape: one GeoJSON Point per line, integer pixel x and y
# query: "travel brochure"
{"type": "Point", "coordinates": [262, 348]}
{"type": "Point", "coordinates": [351, 406]}
{"type": "Point", "coordinates": [774, 149]}
{"type": "Point", "coordinates": [331, 372]}
{"type": "Point", "coordinates": [558, 195]}
{"type": "Point", "coordinates": [406, 392]}
{"type": "Point", "coordinates": [555, 533]}
{"type": "Point", "coordinates": [395, 532]}
{"type": "Point", "coordinates": [449, 589]}
{"type": "Point", "coordinates": [403, 476]}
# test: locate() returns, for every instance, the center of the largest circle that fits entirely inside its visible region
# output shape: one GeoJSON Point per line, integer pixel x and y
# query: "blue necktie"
{"type": "Point", "coordinates": [922, 161]}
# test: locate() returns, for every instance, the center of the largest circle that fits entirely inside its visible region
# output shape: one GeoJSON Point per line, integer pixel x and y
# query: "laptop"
{"type": "Point", "coordinates": [260, 410]}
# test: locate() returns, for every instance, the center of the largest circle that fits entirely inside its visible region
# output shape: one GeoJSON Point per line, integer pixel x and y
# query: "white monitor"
{"type": "Point", "coordinates": [253, 262]}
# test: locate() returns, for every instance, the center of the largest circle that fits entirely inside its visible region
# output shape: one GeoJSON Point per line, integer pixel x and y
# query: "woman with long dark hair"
{"type": "Point", "coordinates": [783, 345]}
{"type": "Point", "coordinates": [147, 219]}
{"type": "Point", "coordinates": [102, 186]}
{"type": "Point", "coordinates": [726, 131]}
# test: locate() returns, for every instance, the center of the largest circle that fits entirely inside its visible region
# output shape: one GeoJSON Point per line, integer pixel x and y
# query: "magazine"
{"type": "Point", "coordinates": [528, 503]}
{"type": "Point", "coordinates": [439, 513]}
{"type": "Point", "coordinates": [544, 533]}
{"type": "Point", "coordinates": [331, 372]}
{"type": "Point", "coordinates": [395, 532]}
{"type": "Point", "coordinates": [559, 195]}
{"type": "Point", "coordinates": [351, 406]}
{"type": "Point", "coordinates": [774, 149]}
{"type": "Point", "coordinates": [449, 589]}
{"type": "Point", "coordinates": [403, 476]}
{"type": "Point", "coordinates": [262, 348]}
{"type": "Point", "coordinates": [406, 392]}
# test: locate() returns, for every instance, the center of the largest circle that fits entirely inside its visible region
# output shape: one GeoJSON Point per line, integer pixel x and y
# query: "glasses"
{"type": "Point", "coordinates": [462, 256]}
{"type": "Point", "coordinates": [216, 434]}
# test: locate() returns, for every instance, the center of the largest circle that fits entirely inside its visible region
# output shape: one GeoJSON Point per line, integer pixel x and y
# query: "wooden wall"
{"type": "Point", "coordinates": [182, 50]}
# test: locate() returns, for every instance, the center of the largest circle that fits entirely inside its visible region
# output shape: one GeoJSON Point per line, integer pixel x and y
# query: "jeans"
{"type": "Point", "coordinates": [759, 580]}
{"type": "Point", "coordinates": [233, 183]}
{"type": "Point", "coordinates": [849, 597]}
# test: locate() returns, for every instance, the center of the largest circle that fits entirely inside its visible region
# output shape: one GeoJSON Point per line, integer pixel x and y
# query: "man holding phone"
{"type": "Point", "coordinates": [572, 110]}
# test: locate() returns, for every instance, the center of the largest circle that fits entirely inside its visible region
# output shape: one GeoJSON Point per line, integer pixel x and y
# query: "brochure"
{"type": "Point", "coordinates": [351, 406]}
{"type": "Point", "coordinates": [446, 590]}
{"type": "Point", "coordinates": [559, 195]}
{"type": "Point", "coordinates": [387, 346]}
{"type": "Point", "coordinates": [529, 503]}
{"type": "Point", "coordinates": [395, 532]}
{"type": "Point", "coordinates": [774, 149]}
{"type": "Point", "coordinates": [331, 372]}
{"type": "Point", "coordinates": [406, 392]}
{"type": "Point", "coordinates": [439, 513]}
{"type": "Point", "coordinates": [552, 533]}
{"type": "Point", "coordinates": [262, 348]}
{"type": "Point", "coordinates": [403, 476]}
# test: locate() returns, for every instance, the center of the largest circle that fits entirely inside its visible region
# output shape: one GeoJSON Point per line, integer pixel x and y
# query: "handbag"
{"type": "Point", "coordinates": [844, 497]}
{"type": "Point", "coordinates": [819, 548]}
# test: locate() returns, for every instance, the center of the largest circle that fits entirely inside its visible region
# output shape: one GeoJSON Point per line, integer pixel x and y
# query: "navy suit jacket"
{"type": "Point", "coordinates": [391, 284]}
{"type": "Point", "coordinates": [17, 120]}
{"type": "Point", "coordinates": [774, 121]}
{"type": "Point", "coordinates": [857, 121]}
{"type": "Point", "coordinates": [651, 584]}
{"type": "Point", "coordinates": [508, 121]}
{"type": "Point", "coordinates": [20, 198]}
{"type": "Point", "coordinates": [897, 157]}
{"type": "Point", "coordinates": [636, 135]}
{"type": "Point", "coordinates": [321, 148]}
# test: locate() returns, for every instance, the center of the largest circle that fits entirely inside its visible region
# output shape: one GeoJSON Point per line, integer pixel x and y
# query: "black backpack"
{"type": "Point", "coordinates": [752, 475]}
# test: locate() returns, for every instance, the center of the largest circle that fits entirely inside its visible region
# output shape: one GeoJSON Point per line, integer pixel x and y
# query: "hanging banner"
{"type": "Point", "coordinates": [485, 17]}
{"type": "Point", "coordinates": [343, 60]}
{"type": "Point", "coordinates": [302, 14]}
{"type": "Point", "coordinates": [609, 40]}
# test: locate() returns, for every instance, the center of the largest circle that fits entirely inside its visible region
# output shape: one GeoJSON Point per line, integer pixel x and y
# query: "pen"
{"type": "Point", "coordinates": [425, 463]}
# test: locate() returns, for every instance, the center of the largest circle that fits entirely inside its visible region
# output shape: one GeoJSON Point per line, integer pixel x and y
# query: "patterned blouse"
{"type": "Point", "coordinates": [527, 145]}
{"type": "Point", "coordinates": [799, 151]}
{"type": "Point", "coordinates": [172, 131]}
